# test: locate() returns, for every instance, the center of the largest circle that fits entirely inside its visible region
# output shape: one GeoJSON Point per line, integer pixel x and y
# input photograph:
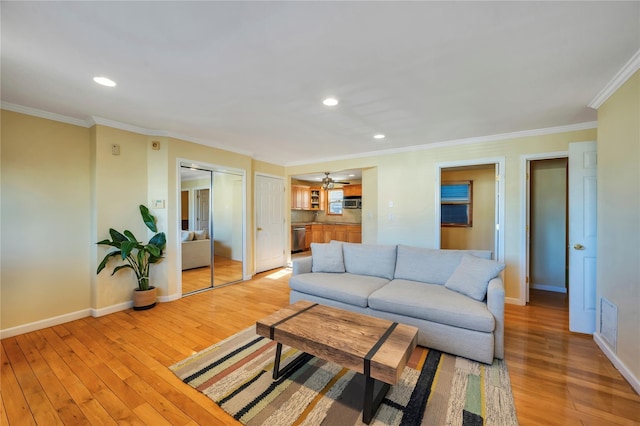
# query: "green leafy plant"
{"type": "Point", "coordinates": [137, 254]}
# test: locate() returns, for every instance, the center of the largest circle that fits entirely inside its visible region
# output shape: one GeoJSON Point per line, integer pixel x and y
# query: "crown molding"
{"type": "Point", "coordinates": [44, 114]}
{"type": "Point", "coordinates": [618, 80]}
{"type": "Point", "coordinates": [94, 120]}
{"type": "Point", "coordinates": [126, 127]}
{"type": "Point", "coordinates": [481, 139]}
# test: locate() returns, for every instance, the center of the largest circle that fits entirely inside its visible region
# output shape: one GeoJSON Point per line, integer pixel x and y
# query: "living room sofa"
{"type": "Point", "coordinates": [454, 297]}
{"type": "Point", "coordinates": [196, 249]}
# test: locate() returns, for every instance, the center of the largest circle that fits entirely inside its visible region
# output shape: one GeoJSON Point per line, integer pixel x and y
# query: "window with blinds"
{"type": "Point", "coordinates": [456, 201]}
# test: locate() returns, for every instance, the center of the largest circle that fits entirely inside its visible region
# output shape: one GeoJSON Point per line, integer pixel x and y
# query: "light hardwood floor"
{"type": "Point", "coordinates": [225, 271]}
{"type": "Point", "coordinates": [113, 369]}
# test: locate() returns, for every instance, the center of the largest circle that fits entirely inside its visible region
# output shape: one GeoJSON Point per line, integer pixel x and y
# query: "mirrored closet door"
{"type": "Point", "coordinates": [211, 206]}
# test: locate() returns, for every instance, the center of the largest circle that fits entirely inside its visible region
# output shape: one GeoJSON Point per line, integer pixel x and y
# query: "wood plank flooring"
{"type": "Point", "coordinates": [225, 271]}
{"type": "Point", "coordinates": [113, 369]}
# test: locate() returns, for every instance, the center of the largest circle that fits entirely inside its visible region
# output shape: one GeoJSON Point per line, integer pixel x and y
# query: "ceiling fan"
{"type": "Point", "coordinates": [328, 182]}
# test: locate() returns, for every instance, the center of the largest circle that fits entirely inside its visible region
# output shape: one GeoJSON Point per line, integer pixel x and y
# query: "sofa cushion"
{"type": "Point", "coordinates": [370, 259]}
{"type": "Point", "coordinates": [430, 265]}
{"type": "Point", "coordinates": [200, 235]}
{"type": "Point", "coordinates": [432, 302]}
{"type": "Point", "coordinates": [186, 236]}
{"type": "Point", "coordinates": [326, 258]}
{"type": "Point", "coordinates": [472, 276]}
{"type": "Point", "coordinates": [347, 288]}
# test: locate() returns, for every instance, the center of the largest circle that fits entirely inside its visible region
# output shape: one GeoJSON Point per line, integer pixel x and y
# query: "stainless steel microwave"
{"type": "Point", "coordinates": [352, 203]}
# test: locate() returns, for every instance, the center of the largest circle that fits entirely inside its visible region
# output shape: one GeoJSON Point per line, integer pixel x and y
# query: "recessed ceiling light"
{"type": "Point", "coordinates": [378, 136]}
{"type": "Point", "coordinates": [104, 81]}
{"type": "Point", "coordinates": [330, 102]}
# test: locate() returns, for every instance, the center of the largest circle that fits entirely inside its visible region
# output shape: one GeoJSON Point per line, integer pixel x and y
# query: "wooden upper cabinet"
{"type": "Point", "coordinates": [352, 190]}
{"type": "Point", "coordinates": [300, 197]}
{"type": "Point", "coordinates": [316, 198]}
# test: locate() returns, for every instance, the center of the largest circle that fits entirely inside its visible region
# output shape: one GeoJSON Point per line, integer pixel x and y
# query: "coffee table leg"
{"type": "Point", "coordinates": [277, 372]}
{"type": "Point", "coordinates": [372, 399]}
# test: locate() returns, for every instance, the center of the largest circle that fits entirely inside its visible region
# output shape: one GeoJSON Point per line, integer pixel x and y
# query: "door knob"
{"type": "Point", "coordinates": [259, 229]}
{"type": "Point", "coordinates": [578, 246]}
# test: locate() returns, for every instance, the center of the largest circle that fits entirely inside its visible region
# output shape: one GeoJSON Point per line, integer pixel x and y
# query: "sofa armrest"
{"type": "Point", "coordinates": [495, 304]}
{"type": "Point", "coordinates": [301, 265]}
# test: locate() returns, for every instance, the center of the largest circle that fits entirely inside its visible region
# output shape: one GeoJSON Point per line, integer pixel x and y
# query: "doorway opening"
{"type": "Point", "coordinates": [548, 228]}
{"type": "Point", "coordinates": [211, 226]}
{"type": "Point", "coordinates": [485, 207]}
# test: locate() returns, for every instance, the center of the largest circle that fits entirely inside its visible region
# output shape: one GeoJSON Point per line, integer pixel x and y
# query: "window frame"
{"type": "Point", "coordinates": [468, 201]}
{"type": "Point", "coordinates": [337, 203]}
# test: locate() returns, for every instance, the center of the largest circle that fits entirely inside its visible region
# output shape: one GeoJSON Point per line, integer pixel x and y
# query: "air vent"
{"type": "Point", "coordinates": [609, 323]}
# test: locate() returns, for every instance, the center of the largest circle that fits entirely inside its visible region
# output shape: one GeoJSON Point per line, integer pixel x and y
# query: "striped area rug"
{"type": "Point", "coordinates": [435, 388]}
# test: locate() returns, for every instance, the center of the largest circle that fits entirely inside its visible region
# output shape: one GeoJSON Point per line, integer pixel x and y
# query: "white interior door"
{"type": "Point", "coordinates": [582, 236]}
{"type": "Point", "coordinates": [202, 210]}
{"type": "Point", "coordinates": [270, 237]}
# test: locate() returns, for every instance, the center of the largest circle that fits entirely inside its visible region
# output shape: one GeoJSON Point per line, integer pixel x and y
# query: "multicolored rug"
{"type": "Point", "coordinates": [435, 388]}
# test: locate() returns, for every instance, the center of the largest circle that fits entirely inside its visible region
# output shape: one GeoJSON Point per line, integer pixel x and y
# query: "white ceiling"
{"type": "Point", "coordinates": [250, 76]}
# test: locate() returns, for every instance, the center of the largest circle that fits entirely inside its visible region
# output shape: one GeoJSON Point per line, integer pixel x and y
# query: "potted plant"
{"type": "Point", "coordinates": [138, 257]}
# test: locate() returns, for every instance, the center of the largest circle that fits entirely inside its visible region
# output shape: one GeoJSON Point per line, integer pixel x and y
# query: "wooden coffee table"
{"type": "Point", "coordinates": [377, 348]}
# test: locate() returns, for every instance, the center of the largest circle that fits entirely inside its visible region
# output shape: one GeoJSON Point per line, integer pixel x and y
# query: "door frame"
{"type": "Point", "coordinates": [525, 220]}
{"type": "Point", "coordinates": [499, 163]}
{"type": "Point", "coordinates": [178, 225]}
{"type": "Point", "coordinates": [255, 218]}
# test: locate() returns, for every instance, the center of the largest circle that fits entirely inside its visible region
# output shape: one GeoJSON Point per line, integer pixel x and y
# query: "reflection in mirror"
{"type": "Point", "coordinates": [212, 225]}
{"type": "Point", "coordinates": [227, 227]}
{"type": "Point", "coordinates": [195, 187]}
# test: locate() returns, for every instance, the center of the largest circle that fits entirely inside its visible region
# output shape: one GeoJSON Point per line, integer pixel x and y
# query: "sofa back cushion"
{"type": "Point", "coordinates": [376, 260]}
{"type": "Point", "coordinates": [431, 265]}
{"type": "Point", "coordinates": [326, 258]}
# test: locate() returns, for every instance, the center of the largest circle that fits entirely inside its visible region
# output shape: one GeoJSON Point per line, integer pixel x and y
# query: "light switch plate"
{"type": "Point", "coordinates": [115, 149]}
{"type": "Point", "coordinates": [158, 204]}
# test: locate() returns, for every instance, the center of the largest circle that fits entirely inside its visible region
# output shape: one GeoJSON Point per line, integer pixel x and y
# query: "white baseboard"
{"type": "Point", "coordinates": [549, 288]}
{"type": "Point", "coordinates": [111, 309]}
{"type": "Point", "coordinates": [170, 298]}
{"type": "Point", "coordinates": [49, 322]}
{"type": "Point", "coordinates": [617, 362]}
{"type": "Point", "coordinates": [513, 301]}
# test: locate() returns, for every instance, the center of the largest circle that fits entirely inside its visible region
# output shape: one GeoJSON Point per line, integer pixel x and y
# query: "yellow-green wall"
{"type": "Point", "coordinates": [618, 273]}
{"type": "Point", "coordinates": [46, 231]}
{"type": "Point", "coordinates": [62, 189]}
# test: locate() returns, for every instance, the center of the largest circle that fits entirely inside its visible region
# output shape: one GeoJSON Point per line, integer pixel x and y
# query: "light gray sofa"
{"type": "Point", "coordinates": [454, 297]}
{"type": "Point", "coordinates": [196, 252]}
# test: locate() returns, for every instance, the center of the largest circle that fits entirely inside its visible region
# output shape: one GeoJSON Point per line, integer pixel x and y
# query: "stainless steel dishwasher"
{"type": "Point", "coordinates": [298, 234]}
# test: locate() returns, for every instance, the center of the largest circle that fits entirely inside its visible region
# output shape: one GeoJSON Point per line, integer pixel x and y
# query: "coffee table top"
{"type": "Point", "coordinates": [343, 337]}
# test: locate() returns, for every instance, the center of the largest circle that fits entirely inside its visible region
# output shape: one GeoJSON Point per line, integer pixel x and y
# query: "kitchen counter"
{"type": "Point", "coordinates": [324, 223]}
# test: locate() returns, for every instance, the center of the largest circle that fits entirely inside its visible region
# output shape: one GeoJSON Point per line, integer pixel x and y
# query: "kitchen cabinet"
{"type": "Point", "coordinates": [308, 237]}
{"type": "Point", "coordinates": [354, 233]}
{"type": "Point", "coordinates": [352, 190]}
{"type": "Point", "coordinates": [300, 197]}
{"type": "Point", "coordinates": [316, 198]}
{"type": "Point", "coordinates": [324, 233]}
